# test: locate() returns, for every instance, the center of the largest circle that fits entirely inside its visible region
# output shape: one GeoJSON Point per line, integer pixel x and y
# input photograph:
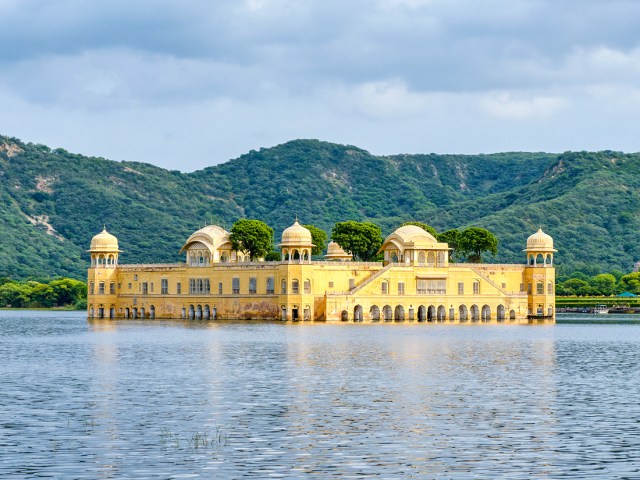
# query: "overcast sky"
{"type": "Point", "coordinates": [191, 83]}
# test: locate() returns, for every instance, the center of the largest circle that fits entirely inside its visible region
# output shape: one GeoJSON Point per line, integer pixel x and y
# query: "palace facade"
{"type": "Point", "coordinates": [416, 282]}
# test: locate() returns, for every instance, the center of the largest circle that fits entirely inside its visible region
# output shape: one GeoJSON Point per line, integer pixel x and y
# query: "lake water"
{"type": "Point", "coordinates": [179, 399]}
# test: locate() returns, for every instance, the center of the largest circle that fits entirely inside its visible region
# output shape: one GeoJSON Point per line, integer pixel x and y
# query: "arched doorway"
{"type": "Point", "coordinates": [463, 313]}
{"type": "Point", "coordinates": [475, 313]}
{"type": "Point", "coordinates": [442, 315]}
{"type": "Point", "coordinates": [112, 311]}
{"type": "Point", "coordinates": [127, 312]}
{"type": "Point", "coordinates": [431, 313]}
{"type": "Point", "coordinates": [344, 316]}
{"type": "Point", "coordinates": [152, 311]}
{"type": "Point", "coordinates": [192, 312]}
{"type": "Point", "coordinates": [306, 313]}
{"type": "Point", "coordinates": [199, 312]}
{"type": "Point", "coordinates": [486, 313]}
{"type": "Point", "coordinates": [142, 313]}
{"type": "Point", "coordinates": [357, 313]}
{"type": "Point", "coordinates": [388, 313]}
{"type": "Point", "coordinates": [512, 315]}
{"type": "Point", "coordinates": [422, 313]}
{"type": "Point", "coordinates": [207, 312]}
{"type": "Point", "coordinates": [500, 313]}
{"type": "Point", "coordinates": [399, 313]}
{"type": "Point", "coordinates": [375, 313]}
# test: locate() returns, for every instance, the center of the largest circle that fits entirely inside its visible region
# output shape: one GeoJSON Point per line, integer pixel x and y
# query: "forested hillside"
{"type": "Point", "coordinates": [52, 202]}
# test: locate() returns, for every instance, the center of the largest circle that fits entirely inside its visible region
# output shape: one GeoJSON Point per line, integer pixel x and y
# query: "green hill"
{"type": "Point", "coordinates": [53, 201]}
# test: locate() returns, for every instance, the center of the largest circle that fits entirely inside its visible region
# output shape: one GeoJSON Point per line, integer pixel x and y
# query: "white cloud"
{"type": "Point", "coordinates": [511, 106]}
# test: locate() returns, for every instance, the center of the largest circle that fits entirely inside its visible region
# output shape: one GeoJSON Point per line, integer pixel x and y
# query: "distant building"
{"type": "Point", "coordinates": [416, 282]}
{"type": "Point", "coordinates": [636, 266]}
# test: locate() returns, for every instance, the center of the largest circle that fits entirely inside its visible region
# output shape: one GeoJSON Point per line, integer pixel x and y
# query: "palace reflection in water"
{"type": "Point", "coordinates": [136, 398]}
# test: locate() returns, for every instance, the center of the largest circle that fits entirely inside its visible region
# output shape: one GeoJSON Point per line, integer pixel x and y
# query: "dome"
{"type": "Point", "coordinates": [210, 237]}
{"type": "Point", "coordinates": [413, 233]}
{"type": "Point", "coordinates": [336, 252]}
{"type": "Point", "coordinates": [104, 242]}
{"type": "Point", "coordinates": [296, 234]}
{"type": "Point", "coordinates": [540, 242]}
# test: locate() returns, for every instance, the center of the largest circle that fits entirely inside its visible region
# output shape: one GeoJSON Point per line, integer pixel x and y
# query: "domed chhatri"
{"type": "Point", "coordinates": [104, 250]}
{"type": "Point", "coordinates": [104, 242]}
{"type": "Point", "coordinates": [296, 244]}
{"type": "Point", "coordinates": [296, 235]}
{"type": "Point", "coordinates": [540, 242]}
{"type": "Point", "coordinates": [336, 252]}
{"type": "Point", "coordinates": [540, 250]}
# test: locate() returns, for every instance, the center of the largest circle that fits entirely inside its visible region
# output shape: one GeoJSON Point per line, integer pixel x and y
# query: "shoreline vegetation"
{"type": "Point", "coordinates": [56, 294]}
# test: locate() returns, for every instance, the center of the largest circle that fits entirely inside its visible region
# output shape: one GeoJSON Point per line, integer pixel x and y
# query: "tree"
{"type": "Point", "coordinates": [273, 256]}
{"type": "Point", "coordinates": [251, 236]}
{"type": "Point", "coordinates": [603, 284]}
{"type": "Point", "coordinates": [318, 238]}
{"type": "Point", "coordinates": [361, 239]}
{"type": "Point", "coordinates": [473, 241]}
{"type": "Point", "coordinates": [631, 283]}
{"type": "Point", "coordinates": [424, 226]}
{"type": "Point", "coordinates": [451, 237]}
{"type": "Point", "coordinates": [573, 286]}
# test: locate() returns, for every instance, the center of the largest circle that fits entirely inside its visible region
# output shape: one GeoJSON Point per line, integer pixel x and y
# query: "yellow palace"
{"type": "Point", "coordinates": [415, 283]}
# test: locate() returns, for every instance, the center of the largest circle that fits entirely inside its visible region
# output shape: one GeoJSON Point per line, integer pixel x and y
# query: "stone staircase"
{"type": "Point", "coordinates": [379, 273]}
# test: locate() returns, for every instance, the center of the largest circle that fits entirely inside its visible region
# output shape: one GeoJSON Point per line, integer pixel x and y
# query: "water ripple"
{"type": "Point", "coordinates": [163, 399]}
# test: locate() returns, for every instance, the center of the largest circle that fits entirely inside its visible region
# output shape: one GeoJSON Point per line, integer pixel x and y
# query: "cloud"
{"type": "Point", "coordinates": [506, 105]}
{"type": "Point", "coordinates": [390, 75]}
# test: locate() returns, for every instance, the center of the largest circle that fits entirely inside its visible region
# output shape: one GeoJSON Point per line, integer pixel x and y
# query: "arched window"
{"type": "Point", "coordinates": [100, 288]}
{"type": "Point", "coordinates": [91, 288]}
{"type": "Point", "coordinates": [307, 286]}
{"type": "Point", "coordinates": [431, 258]}
{"type": "Point", "coordinates": [422, 258]}
{"type": "Point", "coordinates": [550, 288]}
{"type": "Point", "coordinates": [539, 288]}
{"type": "Point", "coordinates": [295, 286]}
{"type": "Point", "coordinates": [283, 287]}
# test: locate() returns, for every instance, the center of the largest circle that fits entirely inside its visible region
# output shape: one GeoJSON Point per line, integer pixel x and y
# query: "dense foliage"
{"type": "Point", "coordinates": [601, 284]}
{"type": "Point", "coordinates": [63, 292]}
{"type": "Point", "coordinates": [362, 239]}
{"type": "Point", "coordinates": [252, 236]}
{"type": "Point", "coordinates": [474, 241]}
{"type": "Point", "coordinates": [52, 202]}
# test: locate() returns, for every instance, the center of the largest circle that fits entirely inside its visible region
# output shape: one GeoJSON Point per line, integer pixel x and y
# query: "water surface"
{"type": "Point", "coordinates": [189, 399]}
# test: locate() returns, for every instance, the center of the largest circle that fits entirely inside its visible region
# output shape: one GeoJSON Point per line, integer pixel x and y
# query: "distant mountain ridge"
{"type": "Point", "coordinates": [52, 202]}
